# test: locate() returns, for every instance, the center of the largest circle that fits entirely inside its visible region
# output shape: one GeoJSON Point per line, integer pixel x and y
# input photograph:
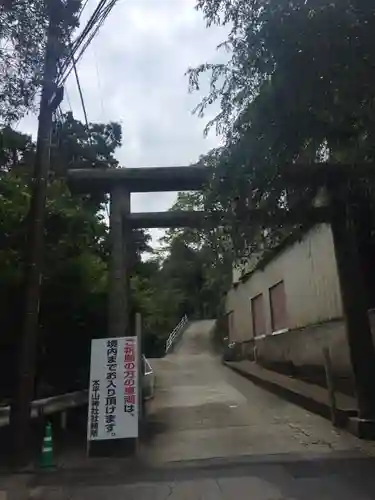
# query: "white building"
{"type": "Point", "coordinates": [288, 305]}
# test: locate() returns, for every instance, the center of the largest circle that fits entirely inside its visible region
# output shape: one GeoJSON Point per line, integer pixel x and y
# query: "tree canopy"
{"type": "Point", "coordinates": [189, 276]}
{"type": "Point", "coordinates": [74, 287]}
{"type": "Point", "coordinates": [23, 28]}
{"type": "Point", "coordinates": [298, 86]}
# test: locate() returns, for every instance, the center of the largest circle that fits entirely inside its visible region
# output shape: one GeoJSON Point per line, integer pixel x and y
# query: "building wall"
{"type": "Point", "coordinates": [313, 304]}
{"type": "Point", "coordinates": [308, 269]}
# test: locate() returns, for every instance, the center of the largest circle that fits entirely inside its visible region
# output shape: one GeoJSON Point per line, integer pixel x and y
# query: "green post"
{"type": "Point", "coordinates": [46, 460]}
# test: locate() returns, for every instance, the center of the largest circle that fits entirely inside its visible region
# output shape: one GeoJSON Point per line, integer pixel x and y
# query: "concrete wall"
{"type": "Point", "coordinates": [308, 269]}
{"type": "Point", "coordinates": [300, 351]}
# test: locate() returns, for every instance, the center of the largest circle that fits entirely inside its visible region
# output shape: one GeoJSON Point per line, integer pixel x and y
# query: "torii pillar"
{"type": "Point", "coordinates": [119, 277]}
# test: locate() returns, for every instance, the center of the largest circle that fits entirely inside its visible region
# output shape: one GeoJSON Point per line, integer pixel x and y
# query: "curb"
{"type": "Point", "coordinates": [298, 398]}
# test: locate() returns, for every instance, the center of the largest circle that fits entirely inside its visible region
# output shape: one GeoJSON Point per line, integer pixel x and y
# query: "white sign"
{"type": "Point", "coordinates": [113, 392]}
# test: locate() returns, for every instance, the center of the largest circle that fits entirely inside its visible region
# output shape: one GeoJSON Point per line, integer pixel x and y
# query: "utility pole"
{"type": "Point", "coordinates": [25, 378]}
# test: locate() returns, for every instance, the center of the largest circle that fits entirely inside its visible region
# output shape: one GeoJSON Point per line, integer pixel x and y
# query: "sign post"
{"type": "Point", "coordinates": [113, 394]}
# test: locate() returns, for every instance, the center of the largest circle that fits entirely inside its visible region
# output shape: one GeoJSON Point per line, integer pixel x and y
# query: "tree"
{"type": "Point", "coordinates": [74, 280]}
{"type": "Point", "coordinates": [23, 26]}
{"type": "Point", "coordinates": [16, 149]}
{"type": "Point", "coordinates": [74, 288]}
{"type": "Point", "coordinates": [79, 146]}
{"type": "Point", "coordinates": [74, 146]}
{"type": "Point", "coordinates": [299, 81]}
{"type": "Point", "coordinates": [207, 257]}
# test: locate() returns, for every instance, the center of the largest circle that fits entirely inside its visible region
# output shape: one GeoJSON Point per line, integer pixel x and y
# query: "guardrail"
{"type": "Point", "coordinates": [175, 333]}
{"type": "Point", "coordinates": [148, 387]}
{"type": "Point", "coordinates": [47, 406]}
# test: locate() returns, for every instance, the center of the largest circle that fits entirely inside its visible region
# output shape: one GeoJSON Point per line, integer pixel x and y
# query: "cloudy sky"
{"type": "Point", "coordinates": [133, 73]}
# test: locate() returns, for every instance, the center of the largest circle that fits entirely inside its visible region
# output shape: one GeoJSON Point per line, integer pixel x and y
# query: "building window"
{"type": "Point", "coordinates": [257, 312]}
{"type": "Point", "coordinates": [279, 318]}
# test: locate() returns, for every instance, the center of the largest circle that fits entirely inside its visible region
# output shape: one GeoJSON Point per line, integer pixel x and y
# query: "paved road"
{"type": "Point", "coordinates": [203, 410]}
{"type": "Point", "coordinates": [215, 435]}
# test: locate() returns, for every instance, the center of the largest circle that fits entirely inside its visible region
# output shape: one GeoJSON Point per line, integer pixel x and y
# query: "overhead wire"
{"type": "Point", "coordinates": [87, 29]}
{"type": "Point", "coordinates": [78, 48]}
{"type": "Point", "coordinates": [99, 24]}
{"type": "Point", "coordinates": [80, 44]}
{"type": "Point", "coordinates": [92, 27]}
{"type": "Point", "coordinates": [98, 82]}
{"type": "Point", "coordinates": [83, 6]}
{"type": "Point", "coordinates": [80, 94]}
{"type": "Point", "coordinates": [66, 93]}
{"type": "Point", "coordinates": [91, 23]}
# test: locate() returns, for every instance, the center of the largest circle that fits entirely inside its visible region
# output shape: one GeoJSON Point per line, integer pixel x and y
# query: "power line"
{"type": "Point", "coordinates": [99, 24]}
{"type": "Point", "coordinates": [80, 94]}
{"type": "Point", "coordinates": [82, 8]}
{"type": "Point", "coordinates": [66, 93]}
{"type": "Point", "coordinates": [80, 40]}
{"type": "Point", "coordinates": [81, 43]}
{"type": "Point", "coordinates": [98, 81]}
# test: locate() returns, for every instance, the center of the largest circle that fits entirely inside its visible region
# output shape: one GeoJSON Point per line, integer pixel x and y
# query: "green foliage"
{"type": "Point", "coordinates": [210, 250]}
{"type": "Point", "coordinates": [299, 79]}
{"type": "Point", "coordinates": [191, 276]}
{"type": "Point", "coordinates": [23, 27]}
{"type": "Point", "coordinates": [76, 145]}
{"type": "Point", "coordinates": [16, 149]}
{"type": "Point", "coordinates": [79, 146]}
{"type": "Point", "coordinates": [74, 287]}
{"type": "Point", "coordinates": [74, 275]}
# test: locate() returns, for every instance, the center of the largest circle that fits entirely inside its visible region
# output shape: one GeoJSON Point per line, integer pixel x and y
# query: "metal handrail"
{"type": "Point", "coordinates": [175, 333]}
{"type": "Point", "coordinates": [149, 379]}
{"type": "Point", "coordinates": [53, 404]}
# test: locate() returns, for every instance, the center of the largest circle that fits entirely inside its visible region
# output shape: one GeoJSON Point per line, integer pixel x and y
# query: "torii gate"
{"type": "Point", "coordinates": [120, 183]}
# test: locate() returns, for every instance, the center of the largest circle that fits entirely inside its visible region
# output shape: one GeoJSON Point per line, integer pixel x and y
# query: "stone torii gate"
{"type": "Point", "coordinates": [120, 183]}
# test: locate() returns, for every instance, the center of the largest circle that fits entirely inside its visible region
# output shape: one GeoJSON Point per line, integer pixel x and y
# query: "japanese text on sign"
{"type": "Point", "coordinates": [94, 413]}
{"type": "Point", "coordinates": [130, 396]}
{"type": "Point", "coordinates": [113, 389]}
{"type": "Point", "coordinates": [111, 400]}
